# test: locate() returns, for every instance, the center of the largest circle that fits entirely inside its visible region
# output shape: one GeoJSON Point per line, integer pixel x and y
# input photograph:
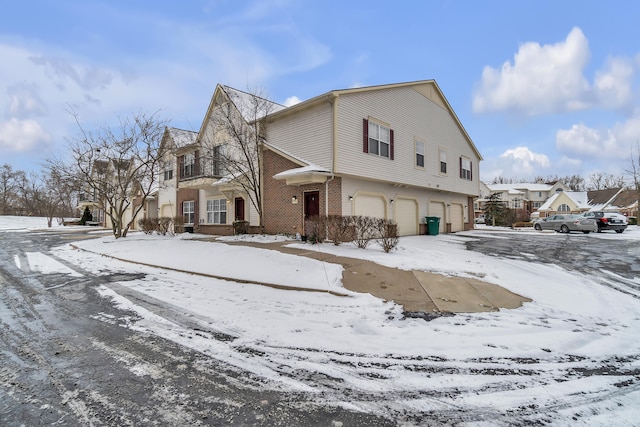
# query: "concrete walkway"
{"type": "Point", "coordinates": [416, 291]}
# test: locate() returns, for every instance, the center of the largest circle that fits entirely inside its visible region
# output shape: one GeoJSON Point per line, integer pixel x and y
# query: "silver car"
{"type": "Point", "coordinates": [566, 223]}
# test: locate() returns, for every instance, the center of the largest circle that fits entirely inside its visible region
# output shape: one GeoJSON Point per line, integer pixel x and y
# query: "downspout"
{"type": "Point", "coordinates": [330, 99]}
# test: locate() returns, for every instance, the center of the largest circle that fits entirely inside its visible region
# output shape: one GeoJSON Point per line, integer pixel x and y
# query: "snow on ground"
{"type": "Point", "coordinates": [499, 362]}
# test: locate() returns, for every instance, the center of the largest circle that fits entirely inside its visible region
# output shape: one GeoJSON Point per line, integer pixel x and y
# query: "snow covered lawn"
{"type": "Point", "coordinates": [572, 356]}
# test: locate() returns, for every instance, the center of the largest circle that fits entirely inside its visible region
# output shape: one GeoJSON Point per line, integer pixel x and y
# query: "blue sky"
{"type": "Point", "coordinates": [542, 87]}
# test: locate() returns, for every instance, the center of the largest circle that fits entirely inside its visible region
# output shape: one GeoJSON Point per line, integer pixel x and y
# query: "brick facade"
{"type": "Point", "coordinates": [281, 214]}
{"type": "Point", "coordinates": [185, 195]}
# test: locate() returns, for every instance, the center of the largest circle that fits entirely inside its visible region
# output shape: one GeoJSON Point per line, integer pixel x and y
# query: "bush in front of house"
{"type": "Point", "coordinates": [340, 229]}
{"type": "Point", "coordinates": [387, 231]}
{"type": "Point", "coordinates": [147, 225]}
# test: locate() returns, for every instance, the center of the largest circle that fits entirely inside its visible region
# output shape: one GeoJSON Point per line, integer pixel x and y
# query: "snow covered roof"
{"type": "Point", "coordinates": [182, 137]}
{"type": "Point", "coordinates": [579, 198]}
{"type": "Point", "coordinates": [305, 170]}
{"type": "Point", "coordinates": [251, 106]}
{"type": "Point", "coordinates": [520, 186]}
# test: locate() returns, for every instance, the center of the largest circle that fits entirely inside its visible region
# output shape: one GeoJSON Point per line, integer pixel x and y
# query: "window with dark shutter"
{"type": "Point", "coordinates": [377, 139]}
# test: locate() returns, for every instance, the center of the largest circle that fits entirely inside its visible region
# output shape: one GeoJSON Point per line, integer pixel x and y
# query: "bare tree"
{"type": "Point", "coordinates": [10, 180]}
{"type": "Point", "coordinates": [603, 181]}
{"type": "Point", "coordinates": [237, 140]}
{"type": "Point", "coordinates": [117, 165]}
{"type": "Point", "coordinates": [29, 194]}
{"type": "Point", "coordinates": [633, 170]}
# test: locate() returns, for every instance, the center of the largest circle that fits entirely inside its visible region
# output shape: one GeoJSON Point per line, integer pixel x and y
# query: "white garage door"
{"type": "Point", "coordinates": [457, 217]}
{"type": "Point", "coordinates": [437, 209]}
{"type": "Point", "coordinates": [406, 211]}
{"type": "Point", "coordinates": [373, 206]}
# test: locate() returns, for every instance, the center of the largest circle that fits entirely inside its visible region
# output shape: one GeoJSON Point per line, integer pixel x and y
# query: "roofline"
{"type": "Point", "coordinates": [337, 93]}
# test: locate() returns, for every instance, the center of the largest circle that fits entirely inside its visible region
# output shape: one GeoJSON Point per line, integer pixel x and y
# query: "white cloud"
{"type": "Point", "coordinates": [541, 79]}
{"type": "Point", "coordinates": [292, 100]}
{"type": "Point", "coordinates": [25, 102]}
{"type": "Point", "coordinates": [584, 142]}
{"type": "Point", "coordinates": [519, 162]}
{"type": "Point", "coordinates": [612, 86]}
{"type": "Point", "coordinates": [22, 135]}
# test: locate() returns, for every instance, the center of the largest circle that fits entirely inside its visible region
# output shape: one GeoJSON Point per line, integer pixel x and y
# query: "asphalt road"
{"type": "Point", "coordinates": [62, 364]}
{"type": "Point", "coordinates": [615, 261]}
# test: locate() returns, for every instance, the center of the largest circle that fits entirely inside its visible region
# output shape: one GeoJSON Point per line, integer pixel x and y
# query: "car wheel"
{"type": "Point", "coordinates": [619, 231]}
{"type": "Point", "coordinates": [586, 231]}
{"type": "Point", "coordinates": [564, 229]}
{"type": "Point", "coordinates": [537, 227]}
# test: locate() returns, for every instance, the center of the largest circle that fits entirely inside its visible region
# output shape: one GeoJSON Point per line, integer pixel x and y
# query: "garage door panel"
{"type": "Point", "coordinates": [437, 209]}
{"type": "Point", "coordinates": [406, 212]}
{"type": "Point", "coordinates": [457, 217]}
{"type": "Point", "coordinates": [373, 206]}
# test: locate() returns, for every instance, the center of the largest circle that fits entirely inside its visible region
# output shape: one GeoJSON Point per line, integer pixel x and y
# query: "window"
{"type": "Point", "coordinates": [168, 171]}
{"type": "Point", "coordinates": [188, 212]}
{"type": "Point", "coordinates": [536, 205]}
{"type": "Point", "coordinates": [564, 208]}
{"type": "Point", "coordinates": [217, 211]}
{"type": "Point", "coordinates": [189, 164]}
{"type": "Point", "coordinates": [420, 154]}
{"type": "Point", "coordinates": [517, 203]}
{"type": "Point", "coordinates": [443, 162]}
{"type": "Point", "coordinates": [465, 168]}
{"type": "Point", "coordinates": [218, 154]}
{"type": "Point", "coordinates": [377, 139]}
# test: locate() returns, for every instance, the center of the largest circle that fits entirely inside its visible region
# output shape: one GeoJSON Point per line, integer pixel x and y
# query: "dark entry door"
{"type": "Point", "coordinates": [311, 204]}
{"type": "Point", "coordinates": [311, 211]}
{"type": "Point", "coordinates": [239, 208]}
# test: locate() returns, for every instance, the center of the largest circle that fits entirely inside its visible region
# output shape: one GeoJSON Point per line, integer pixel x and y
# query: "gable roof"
{"type": "Point", "coordinates": [626, 199]}
{"type": "Point", "coordinates": [428, 88]}
{"type": "Point", "coordinates": [179, 138]}
{"type": "Point", "coordinates": [599, 199]}
{"type": "Point", "coordinates": [579, 198]}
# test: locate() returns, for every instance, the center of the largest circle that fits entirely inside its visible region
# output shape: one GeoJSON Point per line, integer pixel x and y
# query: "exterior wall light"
{"type": "Point", "coordinates": [294, 200]}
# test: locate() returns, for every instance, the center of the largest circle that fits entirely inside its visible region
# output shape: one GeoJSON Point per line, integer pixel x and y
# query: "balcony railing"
{"type": "Point", "coordinates": [201, 169]}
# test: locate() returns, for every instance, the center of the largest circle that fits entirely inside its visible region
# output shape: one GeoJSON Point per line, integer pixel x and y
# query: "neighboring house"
{"type": "Point", "coordinates": [525, 198]}
{"type": "Point", "coordinates": [565, 202]}
{"type": "Point", "coordinates": [393, 151]}
{"type": "Point", "coordinates": [623, 201]}
{"type": "Point", "coordinates": [164, 202]}
{"type": "Point", "coordinates": [104, 173]}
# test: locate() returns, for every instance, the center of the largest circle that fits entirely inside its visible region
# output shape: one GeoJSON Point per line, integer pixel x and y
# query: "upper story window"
{"type": "Point", "coordinates": [420, 154]}
{"type": "Point", "coordinates": [218, 156]}
{"type": "Point", "coordinates": [377, 139]}
{"type": "Point", "coordinates": [443, 161]}
{"type": "Point", "coordinates": [189, 164]}
{"type": "Point", "coordinates": [168, 171]}
{"type": "Point", "coordinates": [465, 169]}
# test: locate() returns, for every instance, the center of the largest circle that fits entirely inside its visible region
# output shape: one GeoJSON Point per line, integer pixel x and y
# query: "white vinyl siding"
{"type": "Point", "coordinates": [412, 116]}
{"type": "Point", "coordinates": [307, 135]}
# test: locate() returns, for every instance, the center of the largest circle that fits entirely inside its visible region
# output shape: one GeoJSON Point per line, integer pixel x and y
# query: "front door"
{"type": "Point", "coordinates": [239, 209]}
{"type": "Point", "coordinates": [311, 211]}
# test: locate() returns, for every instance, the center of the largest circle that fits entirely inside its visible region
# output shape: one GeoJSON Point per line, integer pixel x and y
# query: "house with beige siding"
{"type": "Point", "coordinates": [394, 151]}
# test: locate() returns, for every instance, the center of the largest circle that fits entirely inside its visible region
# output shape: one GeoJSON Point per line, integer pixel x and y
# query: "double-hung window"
{"type": "Point", "coordinates": [218, 155]}
{"type": "Point", "coordinates": [443, 162]}
{"type": "Point", "coordinates": [217, 211]}
{"type": "Point", "coordinates": [168, 171]}
{"type": "Point", "coordinates": [189, 164]}
{"type": "Point", "coordinates": [465, 168]}
{"type": "Point", "coordinates": [420, 154]}
{"type": "Point", "coordinates": [188, 211]}
{"type": "Point", "coordinates": [377, 139]}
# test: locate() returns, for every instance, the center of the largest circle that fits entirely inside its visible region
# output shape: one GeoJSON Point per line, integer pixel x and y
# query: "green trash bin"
{"type": "Point", "coordinates": [433, 225]}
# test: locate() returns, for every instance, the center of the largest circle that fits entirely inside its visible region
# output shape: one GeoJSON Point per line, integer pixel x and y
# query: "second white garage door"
{"type": "Point", "coordinates": [369, 205]}
{"type": "Point", "coordinates": [457, 217]}
{"type": "Point", "coordinates": [406, 211]}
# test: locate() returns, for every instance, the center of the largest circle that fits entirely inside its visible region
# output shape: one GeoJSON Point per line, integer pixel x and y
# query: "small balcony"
{"type": "Point", "coordinates": [200, 173]}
